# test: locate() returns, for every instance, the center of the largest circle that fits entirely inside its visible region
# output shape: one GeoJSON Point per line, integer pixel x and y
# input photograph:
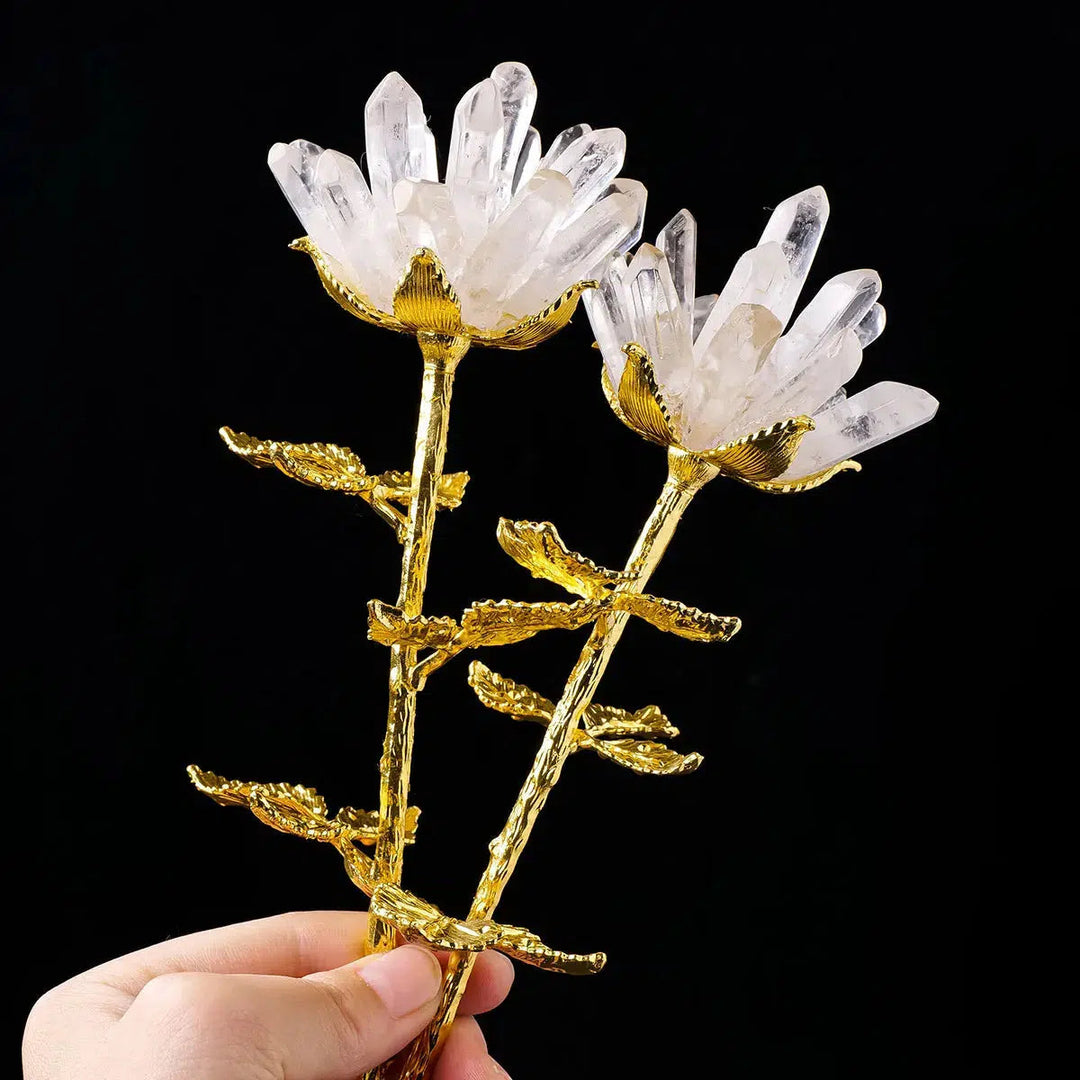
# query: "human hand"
{"type": "Point", "coordinates": [283, 997]}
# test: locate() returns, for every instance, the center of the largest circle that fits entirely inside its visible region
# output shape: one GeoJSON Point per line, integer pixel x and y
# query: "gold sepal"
{"type": "Point", "coordinates": [419, 920]}
{"type": "Point", "coordinates": [389, 625]}
{"type": "Point", "coordinates": [534, 329]}
{"type": "Point", "coordinates": [297, 810]}
{"type": "Point", "coordinates": [425, 300]}
{"type": "Point", "coordinates": [641, 405]}
{"type": "Point", "coordinates": [763, 455]}
{"type": "Point", "coordinates": [676, 618]}
{"type": "Point", "coordinates": [351, 301]}
{"type": "Point", "coordinates": [504, 622]}
{"type": "Point", "coordinates": [600, 721]}
{"type": "Point", "coordinates": [803, 483]}
{"type": "Point", "coordinates": [537, 546]}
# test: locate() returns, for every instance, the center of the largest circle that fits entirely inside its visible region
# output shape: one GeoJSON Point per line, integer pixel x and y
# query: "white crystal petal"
{"type": "Point", "coordinates": [760, 277]}
{"type": "Point", "coordinates": [590, 163]}
{"type": "Point", "coordinates": [678, 241]}
{"type": "Point", "coordinates": [872, 325]}
{"type": "Point", "coordinates": [865, 420]}
{"type": "Point", "coordinates": [796, 224]}
{"type": "Point", "coordinates": [362, 246]}
{"type": "Point", "coordinates": [723, 374]}
{"type": "Point", "coordinates": [609, 314]}
{"type": "Point", "coordinates": [293, 165]}
{"type": "Point", "coordinates": [472, 166]}
{"type": "Point", "coordinates": [580, 249]}
{"type": "Point", "coordinates": [657, 321]}
{"type": "Point", "coordinates": [561, 142]}
{"type": "Point", "coordinates": [427, 219]}
{"type": "Point", "coordinates": [703, 306]}
{"type": "Point", "coordinates": [399, 144]}
{"type": "Point", "coordinates": [635, 190]}
{"type": "Point", "coordinates": [517, 94]}
{"type": "Point", "coordinates": [528, 160]}
{"type": "Point", "coordinates": [503, 259]}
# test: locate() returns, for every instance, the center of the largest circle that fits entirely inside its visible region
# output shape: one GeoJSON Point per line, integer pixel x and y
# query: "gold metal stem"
{"type": "Point", "coordinates": [441, 355]}
{"type": "Point", "coordinates": [686, 475]}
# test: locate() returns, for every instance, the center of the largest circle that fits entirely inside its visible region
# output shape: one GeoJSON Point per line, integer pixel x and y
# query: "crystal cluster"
{"type": "Point", "coordinates": [512, 227]}
{"type": "Point", "coordinates": [723, 363]}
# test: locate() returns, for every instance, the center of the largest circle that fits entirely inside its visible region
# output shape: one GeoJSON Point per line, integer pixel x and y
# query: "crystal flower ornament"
{"type": "Point", "coordinates": [716, 375]}
{"type": "Point", "coordinates": [500, 250]}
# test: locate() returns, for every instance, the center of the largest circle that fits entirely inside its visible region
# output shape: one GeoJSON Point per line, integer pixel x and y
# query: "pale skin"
{"type": "Point", "coordinates": [282, 998]}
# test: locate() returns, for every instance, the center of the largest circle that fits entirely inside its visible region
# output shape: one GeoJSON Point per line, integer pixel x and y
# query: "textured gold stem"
{"type": "Point", "coordinates": [686, 475]}
{"type": "Point", "coordinates": [441, 355]}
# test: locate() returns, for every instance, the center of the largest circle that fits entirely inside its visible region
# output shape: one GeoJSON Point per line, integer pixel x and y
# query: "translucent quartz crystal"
{"type": "Point", "coordinates": [590, 163]}
{"type": "Point", "coordinates": [528, 160]}
{"type": "Point", "coordinates": [796, 225]}
{"type": "Point", "coordinates": [678, 241]}
{"type": "Point", "coordinates": [760, 277]}
{"type": "Point", "coordinates": [399, 144]}
{"type": "Point", "coordinates": [426, 217]}
{"type": "Point", "coordinates": [472, 166]}
{"type": "Point", "coordinates": [724, 373]}
{"type": "Point", "coordinates": [610, 317]}
{"type": "Point", "coordinates": [816, 356]}
{"type": "Point", "coordinates": [860, 422]}
{"type": "Point", "coordinates": [703, 305]}
{"type": "Point", "coordinates": [561, 142]}
{"type": "Point", "coordinates": [581, 248]}
{"type": "Point", "coordinates": [293, 165]}
{"type": "Point", "coordinates": [500, 263]}
{"type": "Point", "coordinates": [517, 97]}
{"type": "Point", "coordinates": [659, 317]}
{"type": "Point", "coordinates": [872, 325]}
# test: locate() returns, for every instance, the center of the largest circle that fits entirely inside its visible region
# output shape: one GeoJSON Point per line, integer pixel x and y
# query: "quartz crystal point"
{"type": "Point", "coordinates": [722, 363]}
{"type": "Point", "coordinates": [513, 227]}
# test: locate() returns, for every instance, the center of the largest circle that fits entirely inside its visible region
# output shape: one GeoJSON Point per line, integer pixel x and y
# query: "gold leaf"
{"type": "Point", "coordinates": [419, 920]}
{"type": "Point", "coordinates": [640, 401]}
{"type": "Point", "coordinates": [537, 546]}
{"type": "Point", "coordinates": [524, 945]}
{"type": "Point", "coordinates": [646, 758]}
{"type": "Point", "coordinates": [536, 328]}
{"type": "Point", "coordinates": [364, 824]}
{"type": "Point", "coordinates": [322, 465]}
{"type": "Point", "coordinates": [504, 622]}
{"type": "Point", "coordinates": [389, 625]}
{"type": "Point", "coordinates": [606, 720]}
{"type": "Point", "coordinates": [506, 696]}
{"type": "Point", "coordinates": [449, 493]}
{"type": "Point", "coordinates": [351, 301]}
{"type": "Point", "coordinates": [425, 300]}
{"type": "Point", "coordinates": [803, 483]}
{"type": "Point", "coordinates": [222, 791]}
{"type": "Point", "coordinates": [765, 454]}
{"type": "Point", "coordinates": [677, 618]}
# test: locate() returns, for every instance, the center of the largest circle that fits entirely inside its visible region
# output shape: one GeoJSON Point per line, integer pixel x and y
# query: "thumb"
{"type": "Point", "coordinates": [333, 1025]}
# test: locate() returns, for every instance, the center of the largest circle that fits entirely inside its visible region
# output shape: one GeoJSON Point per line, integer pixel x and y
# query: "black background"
{"type": "Point", "coordinates": [823, 898]}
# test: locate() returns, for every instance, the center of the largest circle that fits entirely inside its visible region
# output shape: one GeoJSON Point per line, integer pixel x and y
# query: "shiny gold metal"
{"type": "Point", "coordinates": [756, 459]}
{"type": "Point", "coordinates": [434, 306]}
{"type": "Point", "coordinates": [337, 468]}
{"type": "Point", "coordinates": [561, 735]}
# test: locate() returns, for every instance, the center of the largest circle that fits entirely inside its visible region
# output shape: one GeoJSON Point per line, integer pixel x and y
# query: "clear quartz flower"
{"type": "Point", "coordinates": [513, 228]}
{"type": "Point", "coordinates": [724, 366]}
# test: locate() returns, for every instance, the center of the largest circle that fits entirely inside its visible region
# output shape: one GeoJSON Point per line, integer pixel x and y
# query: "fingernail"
{"type": "Point", "coordinates": [496, 1071]}
{"type": "Point", "coordinates": [404, 978]}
